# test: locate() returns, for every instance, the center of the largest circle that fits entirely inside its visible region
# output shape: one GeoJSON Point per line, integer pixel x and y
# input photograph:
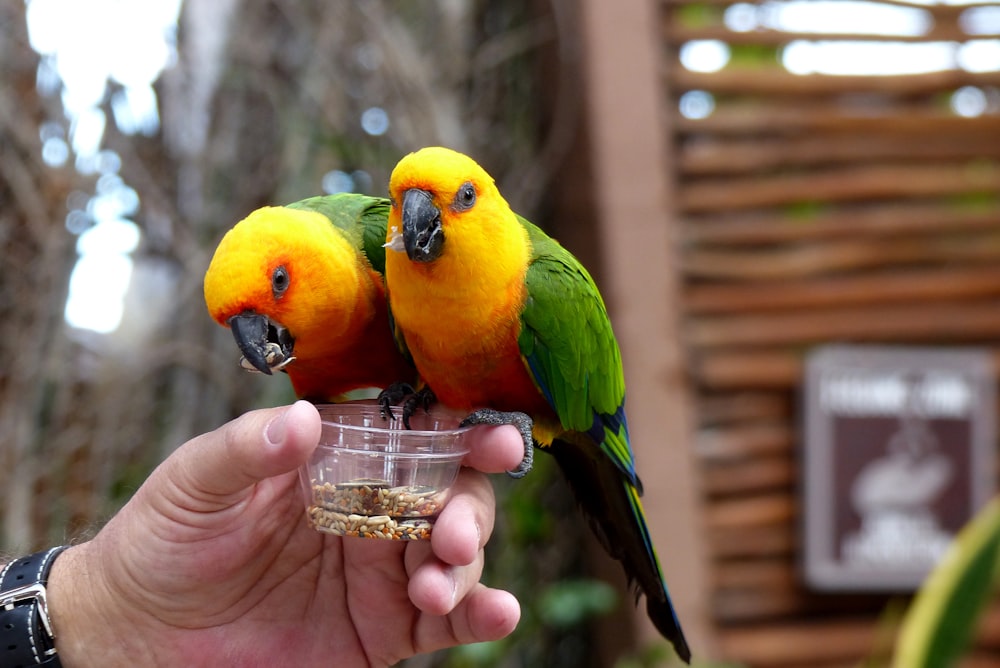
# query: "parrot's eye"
{"type": "Point", "coordinates": [465, 197]}
{"type": "Point", "coordinates": [279, 281]}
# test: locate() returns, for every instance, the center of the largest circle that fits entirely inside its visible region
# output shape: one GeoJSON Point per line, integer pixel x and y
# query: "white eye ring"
{"type": "Point", "coordinates": [279, 281]}
{"type": "Point", "coordinates": [465, 198]}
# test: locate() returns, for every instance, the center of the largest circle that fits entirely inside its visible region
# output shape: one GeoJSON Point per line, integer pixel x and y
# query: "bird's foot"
{"type": "Point", "coordinates": [521, 421]}
{"type": "Point", "coordinates": [411, 400]}
{"type": "Point", "coordinates": [422, 398]}
{"type": "Point", "coordinates": [392, 396]}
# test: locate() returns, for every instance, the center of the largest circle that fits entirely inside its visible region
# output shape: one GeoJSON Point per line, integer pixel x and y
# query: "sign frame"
{"type": "Point", "coordinates": [926, 413]}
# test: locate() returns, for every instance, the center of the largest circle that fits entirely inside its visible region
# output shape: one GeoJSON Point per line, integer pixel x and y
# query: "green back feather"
{"type": "Point", "coordinates": [361, 217]}
{"type": "Point", "coordinates": [570, 349]}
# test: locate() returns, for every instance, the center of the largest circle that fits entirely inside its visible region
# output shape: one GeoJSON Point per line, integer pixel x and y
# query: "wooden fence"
{"type": "Point", "coordinates": [812, 209]}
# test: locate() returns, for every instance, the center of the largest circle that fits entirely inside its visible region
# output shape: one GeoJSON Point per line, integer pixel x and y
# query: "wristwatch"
{"type": "Point", "coordinates": [26, 637]}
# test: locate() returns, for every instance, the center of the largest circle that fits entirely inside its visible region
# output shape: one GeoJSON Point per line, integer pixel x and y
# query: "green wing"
{"type": "Point", "coordinates": [570, 349]}
{"type": "Point", "coordinates": [362, 218]}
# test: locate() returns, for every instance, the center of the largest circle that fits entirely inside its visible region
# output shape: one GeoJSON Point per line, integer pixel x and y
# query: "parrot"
{"type": "Point", "coordinates": [501, 320]}
{"type": "Point", "coordinates": [302, 290]}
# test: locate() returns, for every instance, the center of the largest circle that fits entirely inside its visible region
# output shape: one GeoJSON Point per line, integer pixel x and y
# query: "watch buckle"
{"type": "Point", "coordinates": [33, 592]}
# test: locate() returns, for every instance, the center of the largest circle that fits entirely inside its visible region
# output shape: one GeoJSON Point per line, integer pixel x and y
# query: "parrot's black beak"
{"type": "Point", "coordinates": [423, 236]}
{"type": "Point", "coordinates": [266, 345]}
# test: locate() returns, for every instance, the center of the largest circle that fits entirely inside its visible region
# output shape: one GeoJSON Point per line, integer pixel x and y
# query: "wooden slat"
{"type": "Point", "coordinates": [838, 184]}
{"type": "Point", "coordinates": [940, 11]}
{"type": "Point", "coordinates": [713, 156]}
{"type": "Point", "coordinates": [872, 222]}
{"type": "Point", "coordinates": [938, 321]}
{"type": "Point", "coordinates": [757, 574]}
{"type": "Point", "coordinates": [911, 286]}
{"type": "Point", "coordinates": [752, 511]}
{"type": "Point", "coordinates": [755, 476]}
{"type": "Point", "coordinates": [776, 119]}
{"type": "Point", "coordinates": [677, 34]}
{"type": "Point", "coordinates": [781, 83]}
{"type": "Point", "coordinates": [743, 408]}
{"type": "Point", "coordinates": [773, 369]}
{"type": "Point", "coordinates": [723, 445]}
{"type": "Point", "coordinates": [800, 643]}
{"type": "Point", "coordinates": [783, 604]}
{"type": "Point", "coordinates": [982, 653]}
{"type": "Point", "coordinates": [798, 262]}
{"type": "Point", "coordinates": [979, 660]}
{"type": "Point", "coordinates": [778, 540]}
{"type": "Point", "coordinates": [738, 369]}
{"type": "Point", "coordinates": [736, 606]}
{"type": "Point", "coordinates": [988, 629]}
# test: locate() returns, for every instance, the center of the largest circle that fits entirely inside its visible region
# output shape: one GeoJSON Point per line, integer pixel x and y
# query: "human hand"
{"type": "Point", "coordinates": [212, 563]}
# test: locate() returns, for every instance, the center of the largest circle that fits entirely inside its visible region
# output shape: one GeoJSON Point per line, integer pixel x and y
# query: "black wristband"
{"type": "Point", "coordinates": [26, 637]}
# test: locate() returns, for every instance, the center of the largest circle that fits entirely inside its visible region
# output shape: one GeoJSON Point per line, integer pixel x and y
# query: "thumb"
{"type": "Point", "coordinates": [253, 447]}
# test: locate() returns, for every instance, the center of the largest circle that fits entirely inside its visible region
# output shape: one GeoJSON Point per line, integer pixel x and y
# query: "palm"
{"type": "Point", "coordinates": [263, 575]}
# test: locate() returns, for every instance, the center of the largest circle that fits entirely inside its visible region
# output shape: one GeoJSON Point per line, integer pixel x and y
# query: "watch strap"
{"type": "Point", "coordinates": [26, 637]}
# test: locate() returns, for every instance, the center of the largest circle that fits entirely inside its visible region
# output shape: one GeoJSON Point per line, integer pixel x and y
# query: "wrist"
{"type": "Point", "coordinates": [88, 630]}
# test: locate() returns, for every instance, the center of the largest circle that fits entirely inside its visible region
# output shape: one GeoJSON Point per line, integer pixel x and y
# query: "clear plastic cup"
{"type": "Point", "coordinates": [373, 478]}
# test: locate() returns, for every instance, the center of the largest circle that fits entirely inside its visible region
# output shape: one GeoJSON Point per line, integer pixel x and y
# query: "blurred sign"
{"type": "Point", "coordinates": [898, 455]}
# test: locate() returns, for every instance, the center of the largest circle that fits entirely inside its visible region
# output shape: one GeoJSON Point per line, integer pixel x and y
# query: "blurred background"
{"type": "Point", "coordinates": [746, 181]}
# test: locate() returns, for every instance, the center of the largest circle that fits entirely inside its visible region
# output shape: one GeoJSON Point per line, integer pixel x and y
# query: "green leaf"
{"type": "Point", "coordinates": [570, 602]}
{"type": "Point", "coordinates": [942, 617]}
{"type": "Point", "coordinates": [478, 654]}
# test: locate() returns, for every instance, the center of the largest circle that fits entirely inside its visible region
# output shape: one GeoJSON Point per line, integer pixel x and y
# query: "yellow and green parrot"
{"type": "Point", "coordinates": [501, 320]}
{"type": "Point", "coordinates": [301, 288]}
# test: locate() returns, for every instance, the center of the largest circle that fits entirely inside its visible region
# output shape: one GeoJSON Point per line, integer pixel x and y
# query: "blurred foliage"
{"type": "Point", "coordinates": [806, 210]}
{"type": "Point", "coordinates": [571, 602]}
{"type": "Point", "coordinates": [530, 555]}
{"type": "Point", "coordinates": [975, 202]}
{"type": "Point", "coordinates": [937, 627]}
{"type": "Point", "coordinates": [698, 15]}
{"type": "Point", "coordinates": [261, 105]}
{"type": "Point", "coordinates": [660, 655]}
{"type": "Point", "coordinates": [754, 55]}
{"type": "Point", "coordinates": [943, 616]}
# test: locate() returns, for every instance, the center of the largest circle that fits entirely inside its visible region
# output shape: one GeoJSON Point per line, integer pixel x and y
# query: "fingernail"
{"type": "Point", "coordinates": [276, 429]}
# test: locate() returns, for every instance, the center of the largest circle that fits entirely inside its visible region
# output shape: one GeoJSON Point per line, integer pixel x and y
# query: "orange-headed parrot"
{"type": "Point", "coordinates": [501, 320]}
{"type": "Point", "coordinates": [301, 288]}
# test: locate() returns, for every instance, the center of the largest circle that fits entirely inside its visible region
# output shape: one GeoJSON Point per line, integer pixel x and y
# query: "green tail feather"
{"type": "Point", "coordinates": [612, 506]}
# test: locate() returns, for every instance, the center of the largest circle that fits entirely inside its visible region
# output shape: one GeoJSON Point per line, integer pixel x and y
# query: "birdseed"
{"type": "Point", "coordinates": [373, 509]}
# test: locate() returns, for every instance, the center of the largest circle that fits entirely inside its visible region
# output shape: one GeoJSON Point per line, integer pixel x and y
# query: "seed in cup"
{"type": "Point", "coordinates": [372, 509]}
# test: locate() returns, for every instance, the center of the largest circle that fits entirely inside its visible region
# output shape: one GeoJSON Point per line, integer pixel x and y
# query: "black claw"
{"type": "Point", "coordinates": [520, 420]}
{"type": "Point", "coordinates": [391, 396]}
{"type": "Point", "coordinates": [424, 398]}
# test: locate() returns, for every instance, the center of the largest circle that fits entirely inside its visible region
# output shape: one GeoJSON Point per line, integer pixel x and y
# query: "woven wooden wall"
{"type": "Point", "coordinates": [817, 208]}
